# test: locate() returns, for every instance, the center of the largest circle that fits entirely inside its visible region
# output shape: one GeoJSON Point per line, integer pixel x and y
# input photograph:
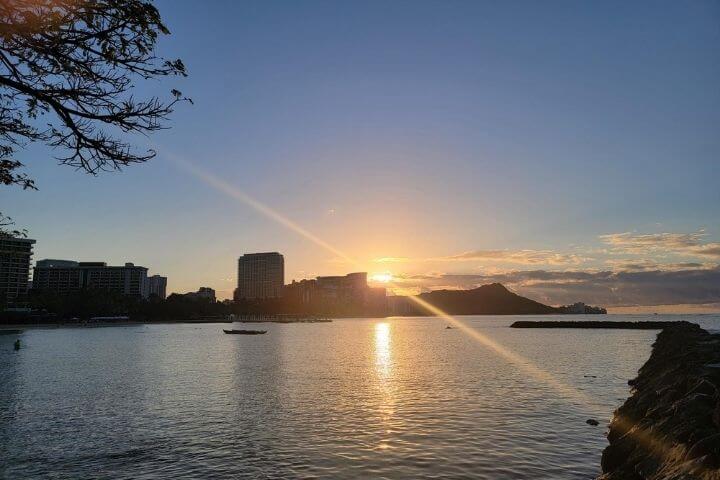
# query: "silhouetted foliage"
{"type": "Point", "coordinates": [5, 231]}
{"type": "Point", "coordinates": [67, 68]}
{"type": "Point", "coordinates": [86, 303]}
{"type": "Point", "coordinates": [181, 307]}
{"type": "Point", "coordinates": [82, 303]}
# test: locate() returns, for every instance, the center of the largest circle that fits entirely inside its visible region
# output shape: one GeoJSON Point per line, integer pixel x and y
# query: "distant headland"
{"type": "Point", "coordinates": [492, 299]}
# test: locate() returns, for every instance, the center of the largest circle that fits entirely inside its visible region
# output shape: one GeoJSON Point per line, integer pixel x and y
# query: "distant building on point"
{"type": "Point", "coordinates": [205, 293]}
{"type": "Point", "coordinates": [260, 276]}
{"type": "Point", "coordinates": [67, 276]}
{"type": "Point", "coordinates": [157, 286]}
{"type": "Point", "coordinates": [15, 258]}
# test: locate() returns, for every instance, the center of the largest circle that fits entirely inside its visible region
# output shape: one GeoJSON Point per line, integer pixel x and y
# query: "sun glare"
{"type": "Point", "coordinates": [381, 277]}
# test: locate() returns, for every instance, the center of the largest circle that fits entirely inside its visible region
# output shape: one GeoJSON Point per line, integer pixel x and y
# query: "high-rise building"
{"type": "Point", "coordinates": [347, 293]}
{"type": "Point", "coordinates": [260, 275]}
{"type": "Point", "coordinates": [157, 285]}
{"type": "Point", "coordinates": [15, 256]}
{"type": "Point", "coordinates": [347, 288]}
{"type": "Point", "coordinates": [65, 276]}
{"type": "Point", "coordinates": [61, 276]}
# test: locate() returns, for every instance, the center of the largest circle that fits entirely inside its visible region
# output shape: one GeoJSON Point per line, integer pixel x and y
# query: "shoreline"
{"type": "Point", "coordinates": [522, 324]}
{"type": "Point", "coordinates": [129, 323]}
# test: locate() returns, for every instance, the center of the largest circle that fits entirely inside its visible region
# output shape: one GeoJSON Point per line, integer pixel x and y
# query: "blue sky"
{"type": "Point", "coordinates": [417, 131]}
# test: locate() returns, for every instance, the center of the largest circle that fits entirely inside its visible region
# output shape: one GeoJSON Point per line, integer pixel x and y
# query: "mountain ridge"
{"type": "Point", "coordinates": [490, 299]}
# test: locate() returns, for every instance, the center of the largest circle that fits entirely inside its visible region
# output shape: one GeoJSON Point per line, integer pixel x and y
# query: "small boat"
{"type": "Point", "coordinates": [244, 332]}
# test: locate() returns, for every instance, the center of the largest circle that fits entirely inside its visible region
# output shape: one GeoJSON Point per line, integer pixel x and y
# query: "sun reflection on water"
{"type": "Point", "coordinates": [384, 384]}
{"type": "Point", "coordinates": [383, 357]}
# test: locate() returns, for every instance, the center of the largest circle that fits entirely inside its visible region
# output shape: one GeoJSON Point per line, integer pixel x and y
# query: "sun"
{"type": "Point", "coordinates": [381, 277]}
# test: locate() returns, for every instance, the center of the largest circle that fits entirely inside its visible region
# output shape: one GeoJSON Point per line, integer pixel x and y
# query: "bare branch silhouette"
{"type": "Point", "coordinates": [67, 68]}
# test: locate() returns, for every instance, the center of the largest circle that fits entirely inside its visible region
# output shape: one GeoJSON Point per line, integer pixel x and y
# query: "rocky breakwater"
{"type": "Point", "coordinates": [670, 427]}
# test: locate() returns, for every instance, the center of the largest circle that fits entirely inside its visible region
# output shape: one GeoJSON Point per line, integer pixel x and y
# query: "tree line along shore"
{"type": "Point", "coordinates": [493, 299]}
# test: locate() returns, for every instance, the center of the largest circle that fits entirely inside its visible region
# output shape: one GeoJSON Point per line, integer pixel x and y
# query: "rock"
{"type": "Point", "coordinates": [669, 429]}
{"type": "Point", "coordinates": [592, 421]}
{"type": "Point", "coordinates": [615, 456]}
{"type": "Point", "coordinates": [705, 387]}
{"type": "Point", "coordinates": [708, 446]}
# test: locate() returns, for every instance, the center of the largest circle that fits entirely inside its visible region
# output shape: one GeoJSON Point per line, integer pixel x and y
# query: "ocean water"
{"type": "Point", "coordinates": [355, 398]}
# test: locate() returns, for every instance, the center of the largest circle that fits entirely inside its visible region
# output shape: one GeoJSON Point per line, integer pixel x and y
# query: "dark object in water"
{"type": "Point", "coordinates": [244, 332]}
{"type": "Point", "coordinates": [17, 344]}
{"type": "Point", "coordinates": [592, 421]}
{"type": "Point", "coordinates": [448, 327]}
{"type": "Point", "coordinates": [589, 324]}
{"type": "Point", "coordinates": [10, 332]}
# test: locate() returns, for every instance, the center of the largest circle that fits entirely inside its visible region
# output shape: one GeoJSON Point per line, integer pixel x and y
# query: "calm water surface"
{"type": "Point", "coordinates": [369, 398]}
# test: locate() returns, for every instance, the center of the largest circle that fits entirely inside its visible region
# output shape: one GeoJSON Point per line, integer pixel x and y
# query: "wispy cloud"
{"type": "Point", "coordinates": [708, 249]}
{"type": "Point", "coordinates": [687, 244]}
{"type": "Point", "coordinates": [636, 265]}
{"type": "Point", "coordinates": [523, 257]}
{"type": "Point", "coordinates": [520, 257]}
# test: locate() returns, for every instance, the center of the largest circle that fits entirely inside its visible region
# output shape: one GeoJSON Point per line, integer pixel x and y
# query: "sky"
{"type": "Point", "coordinates": [570, 150]}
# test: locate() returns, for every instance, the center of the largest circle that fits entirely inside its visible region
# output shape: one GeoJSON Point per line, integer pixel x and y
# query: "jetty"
{"type": "Point", "coordinates": [623, 325]}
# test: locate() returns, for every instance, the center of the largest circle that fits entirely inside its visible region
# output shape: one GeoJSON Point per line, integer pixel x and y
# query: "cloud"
{"type": "Point", "coordinates": [524, 257]}
{"type": "Point", "coordinates": [630, 269]}
{"type": "Point", "coordinates": [645, 265]}
{"type": "Point", "coordinates": [606, 288]}
{"type": "Point", "coordinates": [520, 257]}
{"type": "Point", "coordinates": [708, 249]}
{"type": "Point", "coordinates": [688, 244]}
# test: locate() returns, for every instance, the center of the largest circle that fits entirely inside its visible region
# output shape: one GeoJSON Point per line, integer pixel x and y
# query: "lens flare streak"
{"type": "Point", "coordinates": [523, 363]}
{"type": "Point", "coordinates": [566, 391]}
{"type": "Point", "coordinates": [233, 192]}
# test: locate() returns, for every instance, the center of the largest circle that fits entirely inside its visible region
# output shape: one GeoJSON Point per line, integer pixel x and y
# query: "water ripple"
{"type": "Point", "coordinates": [395, 398]}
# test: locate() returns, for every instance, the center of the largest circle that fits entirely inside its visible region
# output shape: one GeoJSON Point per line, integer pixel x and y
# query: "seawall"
{"type": "Point", "coordinates": [669, 428]}
{"type": "Point", "coordinates": [649, 325]}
